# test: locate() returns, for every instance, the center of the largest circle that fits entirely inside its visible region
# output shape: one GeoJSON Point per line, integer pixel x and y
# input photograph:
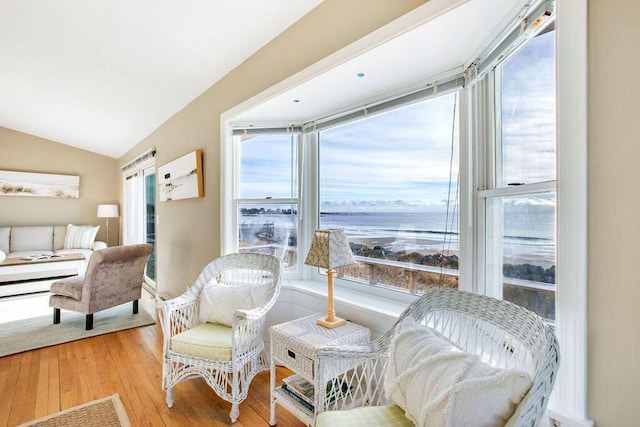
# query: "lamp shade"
{"type": "Point", "coordinates": [108, 211]}
{"type": "Point", "coordinates": [330, 249]}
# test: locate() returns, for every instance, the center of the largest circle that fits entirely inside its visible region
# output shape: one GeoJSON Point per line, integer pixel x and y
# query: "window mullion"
{"type": "Point", "coordinates": [517, 190]}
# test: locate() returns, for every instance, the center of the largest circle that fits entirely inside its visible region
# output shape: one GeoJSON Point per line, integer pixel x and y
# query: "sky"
{"type": "Point", "coordinates": [404, 159]}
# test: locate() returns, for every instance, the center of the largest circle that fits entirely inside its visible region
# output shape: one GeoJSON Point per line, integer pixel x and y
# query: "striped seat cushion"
{"type": "Point", "coordinates": [208, 340]}
{"type": "Point", "coordinates": [366, 416]}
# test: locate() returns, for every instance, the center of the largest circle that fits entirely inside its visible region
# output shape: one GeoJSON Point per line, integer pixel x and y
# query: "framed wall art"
{"type": "Point", "coordinates": [39, 184]}
{"type": "Point", "coordinates": [181, 178]}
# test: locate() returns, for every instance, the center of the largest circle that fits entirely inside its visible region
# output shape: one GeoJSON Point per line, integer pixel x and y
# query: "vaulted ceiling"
{"type": "Point", "coordinates": [102, 75]}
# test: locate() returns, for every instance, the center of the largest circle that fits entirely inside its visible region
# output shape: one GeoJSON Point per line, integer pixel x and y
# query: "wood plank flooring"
{"type": "Point", "coordinates": [39, 382]}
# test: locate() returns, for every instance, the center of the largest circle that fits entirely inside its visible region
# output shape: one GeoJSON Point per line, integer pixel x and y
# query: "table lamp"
{"type": "Point", "coordinates": [330, 249]}
{"type": "Point", "coordinates": [108, 211]}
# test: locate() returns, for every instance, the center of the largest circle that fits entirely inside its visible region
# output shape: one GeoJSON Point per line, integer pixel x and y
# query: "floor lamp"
{"type": "Point", "coordinates": [108, 211]}
{"type": "Point", "coordinates": [330, 249]}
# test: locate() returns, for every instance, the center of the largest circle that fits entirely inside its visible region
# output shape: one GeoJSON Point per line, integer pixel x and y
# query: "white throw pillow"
{"type": "Point", "coordinates": [438, 385]}
{"type": "Point", "coordinates": [80, 236]}
{"type": "Point", "coordinates": [218, 301]}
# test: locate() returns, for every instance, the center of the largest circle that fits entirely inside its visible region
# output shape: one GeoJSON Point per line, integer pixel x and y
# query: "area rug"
{"type": "Point", "coordinates": [31, 333]}
{"type": "Point", "coordinates": [105, 412]}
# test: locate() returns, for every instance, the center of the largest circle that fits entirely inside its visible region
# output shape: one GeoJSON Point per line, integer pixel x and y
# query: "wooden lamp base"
{"type": "Point", "coordinates": [331, 321]}
{"type": "Point", "coordinates": [330, 324]}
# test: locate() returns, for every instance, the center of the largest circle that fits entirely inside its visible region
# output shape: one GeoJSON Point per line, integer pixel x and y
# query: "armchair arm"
{"type": "Point", "coordinates": [248, 330]}
{"type": "Point", "coordinates": [248, 326]}
{"type": "Point", "coordinates": [354, 372]}
{"type": "Point", "coordinates": [177, 315]}
{"type": "Point", "coordinates": [98, 245]}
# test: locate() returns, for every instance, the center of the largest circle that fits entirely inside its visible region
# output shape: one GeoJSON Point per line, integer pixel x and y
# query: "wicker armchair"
{"type": "Point", "coordinates": [227, 356]}
{"type": "Point", "coordinates": [503, 334]}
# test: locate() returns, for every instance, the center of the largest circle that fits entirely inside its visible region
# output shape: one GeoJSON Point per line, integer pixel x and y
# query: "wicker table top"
{"type": "Point", "coordinates": [307, 336]}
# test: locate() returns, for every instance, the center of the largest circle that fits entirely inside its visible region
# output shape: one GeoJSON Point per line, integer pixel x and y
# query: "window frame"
{"type": "Point", "coordinates": [237, 200]}
{"type": "Point", "coordinates": [569, 400]}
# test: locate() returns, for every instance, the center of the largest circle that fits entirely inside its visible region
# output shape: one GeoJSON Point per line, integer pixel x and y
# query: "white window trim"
{"type": "Point", "coordinates": [570, 400]}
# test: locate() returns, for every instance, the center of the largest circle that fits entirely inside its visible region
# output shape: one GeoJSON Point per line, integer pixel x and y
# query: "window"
{"type": "Point", "coordinates": [266, 206]}
{"type": "Point", "coordinates": [522, 200]}
{"type": "Point", "coordinates": [520, 209]}
{"type": "Point", "coordinates": [390, 181]}
{"type": "Point", "coordinates": [139, 195]}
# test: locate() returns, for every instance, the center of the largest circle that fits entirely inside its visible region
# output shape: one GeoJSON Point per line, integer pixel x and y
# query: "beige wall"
{"type": "Point", "coordinates": [614, 212]}
{"type": "Point", "coordinates": [98, 183]}
{"type": "Point", "coordinates": [188, 231]}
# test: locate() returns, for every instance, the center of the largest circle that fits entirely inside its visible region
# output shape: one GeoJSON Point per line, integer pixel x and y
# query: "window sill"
{"type": "Point", "coordinates": [379, 301]}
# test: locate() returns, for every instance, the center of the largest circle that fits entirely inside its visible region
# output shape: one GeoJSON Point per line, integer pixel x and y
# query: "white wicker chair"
{"type": "Point", "coordinates": [229, 375]}
{"type": "Point", "coordinates": [503, 334]}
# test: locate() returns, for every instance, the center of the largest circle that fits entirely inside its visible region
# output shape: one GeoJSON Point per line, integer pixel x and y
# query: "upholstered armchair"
{"type": "Point", "coordinates": [114, 276]}
{"type": "Point", "coordinates": [215, 330]}
{"type": "Point", "coordinates": [452, 358]}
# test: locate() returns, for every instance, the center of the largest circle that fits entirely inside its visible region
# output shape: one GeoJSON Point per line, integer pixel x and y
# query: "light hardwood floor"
{"type": "Point", "coordinates": [36, 383]}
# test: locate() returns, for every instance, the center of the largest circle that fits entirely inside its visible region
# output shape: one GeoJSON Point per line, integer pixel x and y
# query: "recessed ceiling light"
{"type": "Point", "coordinates": [360, 74]}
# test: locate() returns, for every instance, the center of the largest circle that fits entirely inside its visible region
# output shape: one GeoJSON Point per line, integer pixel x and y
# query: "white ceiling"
{"type": "Point", "coordinates": [102, 75]}
{"type": "Point", "coordinates": [444, 43]}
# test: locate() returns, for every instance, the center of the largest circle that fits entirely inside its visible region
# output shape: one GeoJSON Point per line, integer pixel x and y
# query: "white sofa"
{"type": "Point", "coordinates": [22, 241]}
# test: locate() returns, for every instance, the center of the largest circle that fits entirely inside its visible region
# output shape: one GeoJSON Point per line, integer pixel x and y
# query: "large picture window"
{"type": "Point", "coordinates": [391, 182]}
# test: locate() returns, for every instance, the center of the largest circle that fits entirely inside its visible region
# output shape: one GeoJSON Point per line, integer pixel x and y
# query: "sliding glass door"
{"type": "Point", "coordinates": [139, 195]}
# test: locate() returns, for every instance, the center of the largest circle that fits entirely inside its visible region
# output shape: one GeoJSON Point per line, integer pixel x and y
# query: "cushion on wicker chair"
{"type": "Point", "coordinates": [208, 340]}
{"type": "Point", "coordinates": [366, 416]}
{"type": "Point", "coordinates": [219, 302]}
{"type": "Point", "coordinates": [438, 385]}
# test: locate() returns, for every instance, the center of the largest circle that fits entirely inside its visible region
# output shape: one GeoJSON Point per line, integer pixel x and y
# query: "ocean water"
{"type": "Point", "coordinates": [527, 237]}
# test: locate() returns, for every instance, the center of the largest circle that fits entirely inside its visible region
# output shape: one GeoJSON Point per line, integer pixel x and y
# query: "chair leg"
{"type": "Point", "coordinates": [89, 322]}
{"type": "Point", "coordinates": [56, 316]}
{"type": "Point", "coordinates": [235, 412]}
{"type": "Point", "coordinates": [170, 397]}
{"type": "Point", "coordinates": [135, 307]}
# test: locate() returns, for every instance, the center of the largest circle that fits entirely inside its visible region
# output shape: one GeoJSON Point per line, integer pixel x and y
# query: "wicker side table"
{"type": "Point", "coordinates": [294, 345]}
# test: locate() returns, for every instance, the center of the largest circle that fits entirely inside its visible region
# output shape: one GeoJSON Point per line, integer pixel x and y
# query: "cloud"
{"type": "Point", "coordinates": [405, 157]}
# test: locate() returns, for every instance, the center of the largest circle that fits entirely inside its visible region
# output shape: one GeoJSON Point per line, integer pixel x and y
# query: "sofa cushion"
{"type": "Point", "coordinates": [59, 234]}
{"type": "Point", "coordinates": [5, 232]}
{"type": "Point", "coordinates": [80, 236]}
{"type": "Point", "coordinates": [437, 384]}
{"type": "Point", "coordinates": [31, 238]}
